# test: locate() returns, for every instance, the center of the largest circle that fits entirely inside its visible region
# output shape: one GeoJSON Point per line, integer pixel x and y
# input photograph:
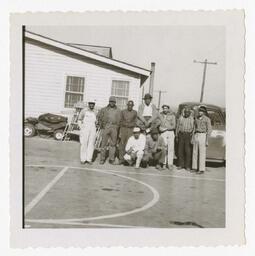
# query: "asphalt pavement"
{"type": "Point", "coordinates": [62, 193]}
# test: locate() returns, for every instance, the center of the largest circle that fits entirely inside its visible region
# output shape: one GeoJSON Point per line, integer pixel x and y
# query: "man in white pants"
{"type": "Point", "coordinates": [203, 129]}
{"type": "Point", "coordinates": [87, 123]}
{"type": "Point", "coordinates": [135, 148]}
{"type": "Point", "coordinates": [167, 128]}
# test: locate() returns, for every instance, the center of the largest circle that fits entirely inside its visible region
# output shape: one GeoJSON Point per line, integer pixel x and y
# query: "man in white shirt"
{"type": "Point", "coordinates": [87, 123]}
{"type": "Point", "coordinates": [135, 148]}
{"type": "Point", "coordinates": [148, 116]}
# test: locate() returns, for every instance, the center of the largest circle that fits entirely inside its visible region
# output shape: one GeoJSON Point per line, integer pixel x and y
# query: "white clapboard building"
{"type": "Point", "coordinates": [57, 75]}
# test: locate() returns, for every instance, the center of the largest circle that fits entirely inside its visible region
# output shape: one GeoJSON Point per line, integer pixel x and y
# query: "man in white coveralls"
{"type": "Point", "coordinates": [135, 148]}
{"type": "Point", "coordinates": [87, 123]}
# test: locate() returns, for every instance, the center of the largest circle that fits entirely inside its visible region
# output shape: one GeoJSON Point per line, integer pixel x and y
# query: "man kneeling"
{"type": "Point", "coordinates": [155, 150]}
{"type": "Point", "coordinates": [135, 148]}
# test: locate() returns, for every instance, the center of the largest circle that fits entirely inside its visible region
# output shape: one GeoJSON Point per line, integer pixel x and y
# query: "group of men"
{"type": "Point", "coordinates": [145, 137]}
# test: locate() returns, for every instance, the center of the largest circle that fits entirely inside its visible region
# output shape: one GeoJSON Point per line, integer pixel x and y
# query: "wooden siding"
{"type": "Point", "coordinates": [46, 69]}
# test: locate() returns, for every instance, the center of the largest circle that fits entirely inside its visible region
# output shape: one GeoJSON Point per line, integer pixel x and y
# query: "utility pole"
{"type": "Point", "coordinates": [151, 86]}
{"type": "Point", "coordinates": [205, 63]}
{"type": "Point", "coordinates": [159, 97]}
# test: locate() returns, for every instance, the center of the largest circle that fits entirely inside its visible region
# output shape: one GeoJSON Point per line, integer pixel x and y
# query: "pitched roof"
{"type": "Point", "coordinates": [145, 73]}
{"type": "Point", "coordinates": [98, 49]}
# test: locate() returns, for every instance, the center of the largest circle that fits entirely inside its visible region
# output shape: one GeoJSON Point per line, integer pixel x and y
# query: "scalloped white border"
{"type": "Point", "coordinates": [233, 234]}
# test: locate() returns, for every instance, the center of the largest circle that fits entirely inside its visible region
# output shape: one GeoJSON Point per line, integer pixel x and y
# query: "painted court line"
{"type": "Point", "coordinates": [145, 207]}
{"type": "Point", "coordinates": [84, 224]}
{"type": "Point", "coordinates": [37, 199]}
{"type": "Point", "coordinates": [131, 172]}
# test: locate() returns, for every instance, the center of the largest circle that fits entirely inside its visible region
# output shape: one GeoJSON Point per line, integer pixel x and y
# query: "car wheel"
{"type": "Point", "coordinates": [58, 134]}
{"type": "Point", "coordinates": [29, 130]}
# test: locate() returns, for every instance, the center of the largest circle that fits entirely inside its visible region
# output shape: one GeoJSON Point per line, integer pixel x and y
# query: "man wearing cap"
{"type": "Point", "coordinates": [87, 123]}
{"type": "Point", "coordinates": [109, 122]}
{"type": "Point", "coordinates": [167, 128]}
{"type": "Point", "coordinates": [127, 124]}
{"type": "Point", "coordinates": [155, 149]}
{"type": "Point", "coordinates": [203, 129]}
{"type": "Point", "coordinates": [135, 148]}
{"type": "Point", "coordinates": [148, 116]}
{"type": "Point", "coordinates": [184, 132]}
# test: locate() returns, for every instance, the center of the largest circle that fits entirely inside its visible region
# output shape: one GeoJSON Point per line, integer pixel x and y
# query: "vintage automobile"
{"type": "Point", "coordinates": [45, 125]}
{"type": "Point", "coordinates": [217, 139]}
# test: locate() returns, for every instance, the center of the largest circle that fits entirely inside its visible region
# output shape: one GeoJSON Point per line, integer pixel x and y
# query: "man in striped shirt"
{"type": "Point", "coordinates": [184, 131]}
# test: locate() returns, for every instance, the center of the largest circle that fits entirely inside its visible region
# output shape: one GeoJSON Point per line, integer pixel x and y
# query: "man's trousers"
{"type": "Point", "coordinates": [184, 149]}
{"type": "Point", "coordinates": [158, 157]}
{"type": "Point", "coordinates": [87, 140]}
{"type": "Point", "coordinates": [168, 137]}
{"type": "Point", "coordinates": [109, 135]}
{"type": "Point", "coordinates": [199, 151]}
{"type": "Point", "coordinates": [136, 156]}
{"type": "Point", "coordinates": [125, 134]}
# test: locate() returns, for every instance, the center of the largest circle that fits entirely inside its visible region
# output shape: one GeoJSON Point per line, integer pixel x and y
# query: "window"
{"type": "Point", "coordinates": [120, 89]}
{"type": "Point", "coordinates": [216, 118]}
{"type": "Point", "coordinates": [74, 90]}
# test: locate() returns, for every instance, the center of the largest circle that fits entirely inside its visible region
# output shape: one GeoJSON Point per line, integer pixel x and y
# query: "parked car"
{"type": "Point", "coordinates": [45, 125]}
{"type": "Point", "coordinates": [29, 126]}
{"type": "Point", "coordinates": [217, 145]}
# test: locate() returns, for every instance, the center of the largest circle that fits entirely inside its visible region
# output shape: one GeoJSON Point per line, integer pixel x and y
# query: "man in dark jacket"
{"type": "Point", "coordinates": [127, 124]}
{"type": "Point", "coordinates": [109, 122]}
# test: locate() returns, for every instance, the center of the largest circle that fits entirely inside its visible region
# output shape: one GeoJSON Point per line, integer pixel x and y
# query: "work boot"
{"type": "Point", "coordinates": [111, 161]}
{"type": "Point", "coordinates": [83, 162]}
{"type": "Point", "coordinates": [158, 167]}
{"type": "Point", "coordinates": [200, 172]}
{"type": "Point", "coordinates": [89, 162]}
{"type": "Point", "coordinates": [170, 167]}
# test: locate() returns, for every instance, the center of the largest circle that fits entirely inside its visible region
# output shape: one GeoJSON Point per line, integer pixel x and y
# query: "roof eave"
{"type": "Point", "coordinates": [110, 61]}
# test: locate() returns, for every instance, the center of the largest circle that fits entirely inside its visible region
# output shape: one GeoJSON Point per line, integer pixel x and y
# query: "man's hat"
{"type": "Point", "coordinates": [136, 129]}
{"type": "Point", "coordinates": [147, 96]}
{"type": "Point", "coordinates": [130, 102]}
{"type": "Point", "coordinates": [165, 106]}
{"type": "Point", "coordinates": [202, 108]}
{"type": "Point", "coordinates": [112, 98]}
{"type": "Point", "coordinates": [91, 101]}
{"type": "Point", "coordinates": [155, 131]}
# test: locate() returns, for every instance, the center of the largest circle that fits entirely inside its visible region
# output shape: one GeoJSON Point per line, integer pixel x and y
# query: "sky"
{"type": "Point", "coordinates": [172, 48]}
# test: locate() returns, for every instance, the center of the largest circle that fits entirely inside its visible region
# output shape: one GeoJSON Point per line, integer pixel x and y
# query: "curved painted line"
{"type": "Point", "coordinates": [136, 173]}
{"type": "Point", "coordinates": [154, 200]}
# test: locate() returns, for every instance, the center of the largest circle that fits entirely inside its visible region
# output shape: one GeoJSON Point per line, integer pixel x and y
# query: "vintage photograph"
{"type": "Point", "coordinates": [124, 126]}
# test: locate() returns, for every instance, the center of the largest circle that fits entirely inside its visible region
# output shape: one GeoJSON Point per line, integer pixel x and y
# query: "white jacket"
{"type": "Point", "coordinates": [136, 144]}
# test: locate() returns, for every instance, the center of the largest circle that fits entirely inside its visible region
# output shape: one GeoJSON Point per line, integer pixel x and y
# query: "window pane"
{"type": "Point", "coordinates": [120, 88]}
{"type": "Point", "coordinates": [75, 84]}
{"type": "Point", "coordinates": [121, 102]}
{"type": "Point", "coordinates": [71, 99]}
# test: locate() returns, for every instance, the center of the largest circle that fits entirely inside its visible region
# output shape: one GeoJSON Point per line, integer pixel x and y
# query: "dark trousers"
{"type": "Point", "coordinates": [125, 134]}
{"type": "Point", "coordinates": [158, 157]}
{"type": "Point", "coordinates": [109, 136]}
{"type": "Point", "coordinates": [184, 149]}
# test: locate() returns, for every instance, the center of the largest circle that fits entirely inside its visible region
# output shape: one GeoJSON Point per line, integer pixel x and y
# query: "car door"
{"type": "Point", "coordinates": [216, 148]}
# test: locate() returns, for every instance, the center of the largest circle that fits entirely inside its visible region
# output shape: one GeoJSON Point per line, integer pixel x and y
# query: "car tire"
{"type": "Point", "coordinates": [29, 130]}
{"type": "Point", "coordinates": [58, 134]}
